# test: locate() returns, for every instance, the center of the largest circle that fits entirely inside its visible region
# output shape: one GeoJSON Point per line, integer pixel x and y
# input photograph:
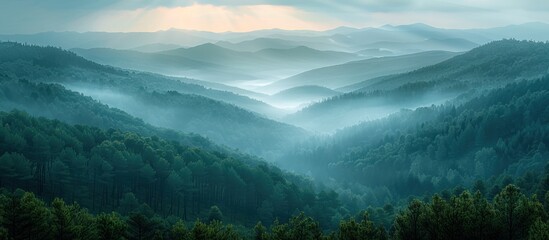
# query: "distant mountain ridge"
{"type": "Point", "coordinates": [158, 100]}
{"type": "Point", "coordinates": [491, 65]}
{"type": "Point", "coordinates": [343, 37]}
{"type": "Point", "coordinates": [338, 76]}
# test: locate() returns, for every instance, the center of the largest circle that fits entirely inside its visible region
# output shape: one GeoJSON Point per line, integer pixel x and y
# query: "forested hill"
{"type": "Point", "coordinates": [503, 132]}
{"type": "Point", "coordinates": [59, 63]}
{"type": "Point", "coordinates": [53, 101]}
{"type": "Point", "coordinates": [122, 171]}
{"type": "Point", "coordinates": [491, 65]}
{"type": "Point", "coordinates": [157, 100]}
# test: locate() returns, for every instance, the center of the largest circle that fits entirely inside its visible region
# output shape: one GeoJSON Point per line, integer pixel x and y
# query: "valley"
{"type": "Point", "coordinates": [400, 131]}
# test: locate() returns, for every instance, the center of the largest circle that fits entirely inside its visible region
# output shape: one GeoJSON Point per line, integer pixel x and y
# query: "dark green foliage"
{"type": "Point", "coordinates": [122, 171]}
{"type": "Point", "coordinates": [159, 100]}
{"type": "Point", "coordinates": [25, 217]}
{"type": "Point", "coordinates": [539, 230]}
{"type": "Point", "coordinates": [503, 132]}
{"type": "Point", "coordinates": [299, 227]}
{"type": "Point", "coordinates": [510, 216]}
{"type": "Point", "coordinates": [140, 227]}
{"type": "Point", "coordinates": [70, 221]}
{"type": "Point", "coordinates": [55, 102]}
{"type": "Point", "coordinates": [492, 65]}
{"type": "Point", "coordinates": [215, 214]}
{"type": "Point", "coordinates": [179, 231]}
{"type": "Point", "coordinates": [362, 230]}
{"type": "Point", "coordinates": [110, 226]}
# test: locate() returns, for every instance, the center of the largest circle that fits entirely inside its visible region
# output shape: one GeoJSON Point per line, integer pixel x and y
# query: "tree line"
{"type": "Point", "coordinates": [122, 171]}
{"type": "Point", "coordinates": [511, 215]}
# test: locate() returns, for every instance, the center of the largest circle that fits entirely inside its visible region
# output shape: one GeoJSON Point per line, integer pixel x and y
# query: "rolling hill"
{"type": "Point", "coordinates": [495, 62]}
{"type": "Point", "coordinates": [259, 44]}
{"type": "Point", "coordinates": [298, 96]}
{"type": "Point", "coordinates": [162, 64]}
{"type": "Point", "coordinates": [353, 72]}
{"type": "Point", "coordinates": [146, 96]}
{"type": "Point", "coordinates": [498, 134]}
{"type": "Point", "coordinates": [339, 39]}
{"type": "Point", "coordinates": [265, 59]}
{"type": "Point", "coordinates": [155, 47]}
{"type": "Point", "coordinates": [491, 65]}
{"type": "Point", "coordinates": [213, 63]}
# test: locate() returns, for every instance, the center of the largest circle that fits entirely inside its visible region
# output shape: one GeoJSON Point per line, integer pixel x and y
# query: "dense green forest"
{"type": "Point", "coordinates": [72, 167]}
{"type": "Point", "coordinates": [492, 65]}
{"type": "Point", "coordinates": [511, 215]}
{"type": "Point", "coordinates": [503, 132]}
{"type": "Point", "coordinates": [158, 100]}
{"type": "Point", "coordinates": [123, 171]}
{"type": "Point", "coordinates": [55, 102]}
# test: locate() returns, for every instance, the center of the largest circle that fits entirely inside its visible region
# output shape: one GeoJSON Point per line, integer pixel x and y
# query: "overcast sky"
{"type": "Point", "coordinates": [30, 16]}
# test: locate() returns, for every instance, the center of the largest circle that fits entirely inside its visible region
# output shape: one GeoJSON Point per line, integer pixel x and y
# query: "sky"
{"type": "Point", "coordinates": [32, 16]}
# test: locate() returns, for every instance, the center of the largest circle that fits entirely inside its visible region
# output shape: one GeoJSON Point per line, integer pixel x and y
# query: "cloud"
{"type": "Point", "coordinates": [27, 16]}
{"type": "Point", "coordinates": [202, 17]}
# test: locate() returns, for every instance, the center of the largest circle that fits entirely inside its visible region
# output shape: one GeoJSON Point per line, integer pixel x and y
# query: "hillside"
{"type": "Point", "coordinates": [339, 39]}
{"type": "Point", "coordinates": [142, 175]}
{"type": "Point", "coordinates": [163, 64]}
{"type": "Point", "coordinates": [494, 62]}
{"type": "Point", "coordinates": [266, 61]}
{"type": "Point", "coordinates": [305, 55]}
{"type": "Point", "coordinates": [258, 44]}
{"type": "Point", "coordinates": [491, 65]}
{"type": "Point", "coordinates": [501, 132]}
{"type": "Point", "coordinates": [146, 96]}
{"type": "Point", "coordinates": [353, 72]}
{"type": "Point", "coordinates": [155, 47]}
{"type": "Point", "coordinates": [448, 44]}
{"type": "Point", "coordinates": [124, 58]}
{"type": "Point", "coordinates": [302, 95]}
{"type": "Point", "coordinates": [55, 102]}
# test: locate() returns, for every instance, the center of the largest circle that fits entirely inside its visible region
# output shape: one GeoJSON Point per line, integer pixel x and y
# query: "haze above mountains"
{"type": "Point", "coordinates": [265, 124]}
{"type": "Point", "coordinates": [262, 63]}
{"type": "Point", "coordinates": [278, 72]}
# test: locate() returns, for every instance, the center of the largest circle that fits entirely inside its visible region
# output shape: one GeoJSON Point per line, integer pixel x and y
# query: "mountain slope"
{"type": "Point", "coordinates": [155, 47]}
{"type": "Point", "coordinates": [142, 175]}
{"type": "Point", "coordinates": [353, 72]}
{"type": "Point", "coordinates": [447, 44]}
{"type": "Point", "coordinates": [295, 97]}
{"type": "Point", "coordinates": [258, 44]}
{"type": "Point", "coordinates": [497, 61]}
{"type": "Point", "coordinates": [145, 96]}
{"type": "Point", "coordinates": [502, 131]}
{"type": "Point", "coordinates": [491, 65]}
{"type": "Point", "coordinates": [162, 64]}
{"type": "Point", "coordinates": [53, 101]}
{"type": "Point", "coordinates": [266, 61]}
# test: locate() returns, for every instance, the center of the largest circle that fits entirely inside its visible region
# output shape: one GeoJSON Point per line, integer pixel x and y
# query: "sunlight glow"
{"type": "Point", "coordinates": [203, 17]}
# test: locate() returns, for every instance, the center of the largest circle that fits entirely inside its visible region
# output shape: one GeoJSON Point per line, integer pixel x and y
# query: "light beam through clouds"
{"type": "Point", "coordinates": [202, 17]}
{"type": "Point", "coordinates": [31, 16]}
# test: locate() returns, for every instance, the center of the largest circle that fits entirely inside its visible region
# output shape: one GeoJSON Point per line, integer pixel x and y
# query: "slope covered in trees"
{"type": "Point", "coordinates": [338, 76]}
{"type": "Point", "coordinates": [511, 215]}
{"type": "Point", "coordinates": [55, 102]}
{"type": "Point", "coordinates": [122, 171]}
{"type": "Point", "coordinates": [53, 64]}
{"type": "Point", "coordinates": [159, 63]}
{"type": "Point", "coordinates": [157, 100]}
{"type": "Point", "coordinates": [492, 65]}
{"type": "Point", "coordinates": [501, 132]}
